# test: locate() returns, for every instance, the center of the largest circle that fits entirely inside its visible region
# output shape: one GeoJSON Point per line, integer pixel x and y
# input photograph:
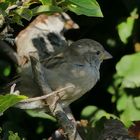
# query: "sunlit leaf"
{"type": "Point", "coordinates": [122, 102]}
{"type": "Point", "coordinates": [9, 100]}
{"type": "Point", "coordinates": [25, 13]}
{"type": "Point", "coordinates": [137, 101]}
{"type": "Point", "coordinates": [131, 112]}
{"type": "Point", "coordinates": [125, 28]}
{"type": "Point", "coordinates": [88, 111]}
{"type": "Point", "coordinates": [85, 7]}
{"type": "Point", "coordinates": [115, 84]}
{"type": "Point", "coordinates": [129, 69]}
{"type": "Point", "coordinates": [93, 114]}
{"type": "Point", "coordinates": [46, 8]}
{"type": "Point", "coordinates": [13, 136]}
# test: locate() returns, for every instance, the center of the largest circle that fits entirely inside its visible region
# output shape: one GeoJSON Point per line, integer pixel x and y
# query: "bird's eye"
{"type": "Point", "coordinates": [98, 52]}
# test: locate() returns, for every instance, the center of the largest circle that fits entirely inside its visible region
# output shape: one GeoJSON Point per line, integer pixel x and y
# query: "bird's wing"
{"type": "Point", "coordinates": [54, 61]}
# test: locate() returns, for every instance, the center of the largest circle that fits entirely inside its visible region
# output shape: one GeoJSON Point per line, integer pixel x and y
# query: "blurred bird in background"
{"type": "Point", "coordinates": [45, 36]}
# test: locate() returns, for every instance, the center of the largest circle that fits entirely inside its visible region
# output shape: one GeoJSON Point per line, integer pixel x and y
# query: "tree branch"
{"type": "Point", "coordinates": [53, 101]}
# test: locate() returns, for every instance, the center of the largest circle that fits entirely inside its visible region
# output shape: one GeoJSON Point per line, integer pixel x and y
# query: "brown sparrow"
{"type": "Point", "coordinates": [77, 65]}
{"type": "Point", "coordinates": [44, 35]}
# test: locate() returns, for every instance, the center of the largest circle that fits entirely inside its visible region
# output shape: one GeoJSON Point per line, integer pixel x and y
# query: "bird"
{"type": "Point", "coordinates": [45, 35]}
{"type": "Point", "coordinates": [78, 65]}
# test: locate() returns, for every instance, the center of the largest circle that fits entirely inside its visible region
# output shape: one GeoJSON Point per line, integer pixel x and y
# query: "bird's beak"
{"type": "Point", "coordinates": [106, 55]}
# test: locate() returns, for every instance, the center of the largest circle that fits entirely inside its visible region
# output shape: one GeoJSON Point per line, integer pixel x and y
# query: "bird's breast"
{"type": "Point", "coordinates": [86, 76]}
{"type": "Point", "coordinates": [82, 77]}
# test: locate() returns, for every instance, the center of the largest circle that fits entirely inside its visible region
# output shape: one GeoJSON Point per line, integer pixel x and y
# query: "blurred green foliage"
{"type": "Point", "coordinates": [93, 114]}
{"type": "Point", "coordinates": [125, 28]}
{"type": "Point", "coordinates": [129, 69]}
{"type": "Point", "coordinates": [125, 85]}
{"type": "Point", "coordinates": [123, 89]}
{"type": "Point", "coordinates": [9, 100]}
{"type": "Point", "coordinates": [13, 136]}
{"type": "Point", "coordinates": [5, 69]}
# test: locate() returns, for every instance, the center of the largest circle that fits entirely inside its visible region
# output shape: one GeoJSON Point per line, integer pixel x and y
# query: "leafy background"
{"type": "Point", "coordinates": [117, 94]}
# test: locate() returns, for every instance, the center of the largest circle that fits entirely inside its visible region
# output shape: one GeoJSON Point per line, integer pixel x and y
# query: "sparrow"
{"type": "Point", "coordinates": [44, 35]}
{"type": "Point", "coordinates": [77, 66]}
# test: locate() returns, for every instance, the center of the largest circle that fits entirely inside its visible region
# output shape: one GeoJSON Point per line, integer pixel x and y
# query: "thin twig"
{"type": "Point", "coordinates": [45, 96]}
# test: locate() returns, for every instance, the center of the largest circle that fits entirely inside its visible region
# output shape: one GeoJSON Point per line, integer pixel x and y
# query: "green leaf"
{"type": "Point", "coordinates": [115, 84]}
{"type": "Point", "coordinates": [122, 102]}
{"type": "Point", "coordinates": [13, 136]}
{"type": "Point", "coordinates": [129, 68]}
{"type": "Point", "coordinates": [137, 102]}
{"type": "Point", "coordinates": [131, 112]}
{"type": "Point", "coordinates": [24, 13]}
{"type": "Point", "coordinates": [40, 114]}
{"type": "Point", "coordinates": [46, 8]}
{"type": "Point", "coordinates": [125, 28]}
{"type": "Point", "coordinates": [88, 111]}
{"type": "Point", "coordinates": [9, 100]}
{"type": "Point", "coordinates": [17, 19]}
{"type": "Point", "coordinates": [85, 7]}
{"type": "Point", "coordinates": [93, 114]}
